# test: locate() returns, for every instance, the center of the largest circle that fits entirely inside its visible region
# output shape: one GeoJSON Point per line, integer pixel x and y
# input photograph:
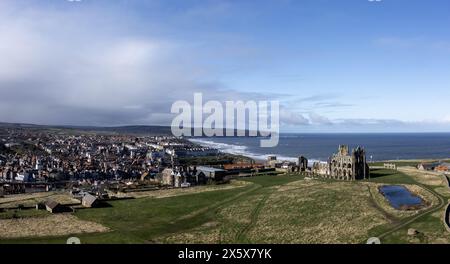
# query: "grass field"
{"type": "Point", "coordinates": [412, 163]}
{"type": "Point", "coordinates": [270, 209]}
{"type": "Point", "coordinates": [390, 177]}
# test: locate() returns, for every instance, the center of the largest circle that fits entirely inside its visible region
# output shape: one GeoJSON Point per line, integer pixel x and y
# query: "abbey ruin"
{"type": "Point", "coordinates": [344, 165]}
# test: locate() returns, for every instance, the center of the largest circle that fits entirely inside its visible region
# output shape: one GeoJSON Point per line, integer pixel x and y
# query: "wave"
{"type": "Point", "coordinates": [239, 150]}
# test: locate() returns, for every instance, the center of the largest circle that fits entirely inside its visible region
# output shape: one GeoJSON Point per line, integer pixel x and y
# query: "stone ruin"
{"type": "Point", "coordinates": [344, 165]}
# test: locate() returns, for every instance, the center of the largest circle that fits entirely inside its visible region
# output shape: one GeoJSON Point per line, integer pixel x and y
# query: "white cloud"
{"type": "Point", "coordinates": [85, 73]}
{"type": "Point", "coordinates": [317, 119]}
{"type": "Point", "coordinates": [95, 67]}
{"type": "Point", "coordinates": [290, 118]}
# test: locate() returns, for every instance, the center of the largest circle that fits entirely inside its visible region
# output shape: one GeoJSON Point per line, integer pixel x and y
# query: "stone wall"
{"type": "Point", "coordinates": [390, 166]}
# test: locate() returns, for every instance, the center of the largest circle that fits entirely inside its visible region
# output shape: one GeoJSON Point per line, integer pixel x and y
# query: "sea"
{"type": "Point", "coordinates": [319, 147]}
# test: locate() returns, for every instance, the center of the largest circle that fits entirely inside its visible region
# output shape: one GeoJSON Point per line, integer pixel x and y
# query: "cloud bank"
{"type": "Point", "coordinates": [70, 65]}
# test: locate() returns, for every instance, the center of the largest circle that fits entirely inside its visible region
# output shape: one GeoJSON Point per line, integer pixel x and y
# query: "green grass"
{"type": "Point", "coordinates": [430, 228]}
{"type": "Point", "coordinates": [148, 220]}
{"type": "Point", "coordinates": [390, 177]}
{"type": "Point", "coordinates": [16, 213]}
{"type": "Point", "coordinates": [398, 163]}
{"type": "Point", "coordinates": [268, 181]}
{"type": "Point", "coordinates": [412, 163]}
{"type": "Point", "coordinates": [142, 220]}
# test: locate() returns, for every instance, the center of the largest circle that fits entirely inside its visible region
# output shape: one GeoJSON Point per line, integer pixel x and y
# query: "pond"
{"type": "Point", "coordinates": [400, 197]}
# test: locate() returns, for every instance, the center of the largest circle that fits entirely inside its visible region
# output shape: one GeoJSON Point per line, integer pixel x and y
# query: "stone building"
{"type": "Point", "coordinates": [272, 161]}
{"type": "Point", "coordinates": [89, 200]}
{"type": "Point", "coordinates": [321, 168]}
{"type": "Point", "coordinates": [349, 166]}
{"type": "Point", "coordinates": [168, 177]}
{"type": "Point", "coordinates": [302, 164]}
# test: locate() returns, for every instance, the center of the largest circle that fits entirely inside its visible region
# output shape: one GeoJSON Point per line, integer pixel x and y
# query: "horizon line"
{"type": "Point", "coordinates": [168, 126]}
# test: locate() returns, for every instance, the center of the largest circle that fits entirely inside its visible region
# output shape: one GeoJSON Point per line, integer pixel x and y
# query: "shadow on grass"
{"type": "Point", "coordinates": [100, 204]}
{"type": "Point", "coordinates": [379, 173]}
{"type": "Point", "coordinates": [390, 177]}
{"type": "Point", "coordinates": [103, 204]}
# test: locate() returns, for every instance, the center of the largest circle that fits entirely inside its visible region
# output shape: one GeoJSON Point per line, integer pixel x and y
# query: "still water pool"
{"type": "Point", "coordinates": [400, 197]}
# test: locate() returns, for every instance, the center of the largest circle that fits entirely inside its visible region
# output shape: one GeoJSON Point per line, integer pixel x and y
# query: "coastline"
{"type": "Point", "coordinates": [238, 150]}
{"type": "Point", "coordinates": [242, 150]}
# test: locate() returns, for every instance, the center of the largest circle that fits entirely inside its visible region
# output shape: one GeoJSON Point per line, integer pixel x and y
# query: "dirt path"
{"type": "Point", "coordinates": [253, 217]}
{"type": "Point", "coordinates": [218, 204]}
{"type": "Point", "coordinates": [408, 221]}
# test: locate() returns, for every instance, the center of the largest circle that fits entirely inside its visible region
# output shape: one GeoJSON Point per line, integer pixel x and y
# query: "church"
{"type": "Point", "coordinates": [349, 166]}
{"type": "Point", "coordinates": [344, 165]}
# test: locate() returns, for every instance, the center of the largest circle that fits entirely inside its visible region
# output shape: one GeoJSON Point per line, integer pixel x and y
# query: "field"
{"type": "Point", "coordinates": [52, 225]}
{"type": "Point", "coordinates": [30, 200]}
{"type": "Point", "coordinates": [403, 163]}
{"type": "Point", "coordinates": [264, 209]}
{"type": "Point", "coordinates": [430, 224]}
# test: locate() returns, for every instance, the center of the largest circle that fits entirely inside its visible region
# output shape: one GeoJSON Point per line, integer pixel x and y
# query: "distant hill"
{"type": "Point", "coordinates": [141, 130]}
{"type": "Point", "coordinates": [136, 129]}
{"type": "Point", "coordinates": [12, 125]}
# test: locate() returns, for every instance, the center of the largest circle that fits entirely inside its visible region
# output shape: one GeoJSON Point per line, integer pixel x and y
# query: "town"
{"type": "Point", "coordinates": [96, 166]}
{"type": "Point", "coordinates": [33, 160]}
{"type": "Point", "coordinates": [39, 160]}
{"type": "Point", "coordinates": [72, 175]}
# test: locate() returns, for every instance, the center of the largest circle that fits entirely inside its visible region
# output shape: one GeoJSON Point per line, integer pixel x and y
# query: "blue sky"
{"type": "Point", "coordinates": [335, 65]}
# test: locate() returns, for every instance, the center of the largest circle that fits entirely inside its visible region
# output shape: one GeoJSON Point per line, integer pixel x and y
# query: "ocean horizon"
{"type": "Point", "coordinates": [320, 146]}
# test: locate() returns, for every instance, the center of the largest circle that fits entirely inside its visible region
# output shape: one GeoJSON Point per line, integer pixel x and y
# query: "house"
{"type": "Point", "coordinates": [25, 177]}
{"type": "Point", "coordinates": [443, 167]}
{"type": "Point", "coordinates": [3, 159]}
{"type": "Point", "coordinates": [434, 166]}
{"type": "Point", "coordinates": [243, 169]}
{"type": "Point", "coordinates": [89, 200]}
{"type": "Point", "coordinates": [286, 166]}
{"type": "Point", "coordinates": [272, 161]}
{"type": "Point", "coordinates": [168, 177]}
{"type": "Point", "coordinates": [428, 166]}
{"type": "Point", "coordinates": [211, 174]}
{"type": "Point", "coordinates": [53, 207]}
{"type": "Point", "coordinates": [242, 166]}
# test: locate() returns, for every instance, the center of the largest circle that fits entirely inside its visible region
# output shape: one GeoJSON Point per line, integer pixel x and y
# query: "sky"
{"type": "Point", "coordinates": [334, 65]}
